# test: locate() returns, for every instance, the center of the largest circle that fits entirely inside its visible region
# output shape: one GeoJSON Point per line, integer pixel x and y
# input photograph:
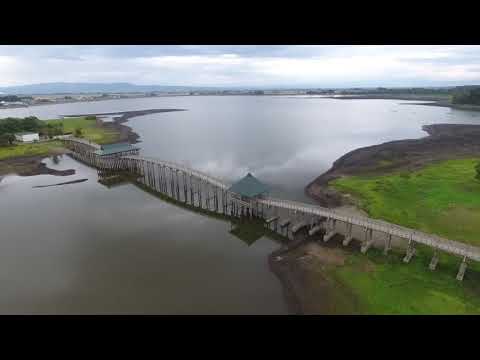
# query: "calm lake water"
{"type": "Point", "coordinates": [84, 248]}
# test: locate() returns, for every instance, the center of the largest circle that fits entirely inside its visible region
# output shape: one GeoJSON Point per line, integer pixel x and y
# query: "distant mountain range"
{"type": "Point", "coordinates": [69, 88]}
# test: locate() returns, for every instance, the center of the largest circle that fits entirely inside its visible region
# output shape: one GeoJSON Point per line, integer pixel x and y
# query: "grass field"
{"type": "Point", "coordinates": [385, 285]}
{"type": "Point", "coordinates": [442, 198]}
{"type": "Point", "coordinates": [89, 129]}
{"type": "Point", "coordinates": [21, 150]}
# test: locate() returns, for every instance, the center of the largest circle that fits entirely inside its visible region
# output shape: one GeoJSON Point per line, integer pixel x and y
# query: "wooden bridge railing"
{"type": "Point", "coordinates": [205, 177]}
{"type": "Point", "coordinates": [434, 241]}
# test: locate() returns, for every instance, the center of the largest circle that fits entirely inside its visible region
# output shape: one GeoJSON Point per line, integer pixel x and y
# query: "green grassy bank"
{"type": "Point", "coordinates": [385, 285]}
{"type": "Point", "coordinates": [90, 129]}
{"type": "Point", "coordinates": [34, 149]}
{"type": "Point", "coordinates": [442, 198]}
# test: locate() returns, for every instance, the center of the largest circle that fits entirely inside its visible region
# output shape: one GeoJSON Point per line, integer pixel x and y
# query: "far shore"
{"type": "Point", "coordinates": [429, 100]}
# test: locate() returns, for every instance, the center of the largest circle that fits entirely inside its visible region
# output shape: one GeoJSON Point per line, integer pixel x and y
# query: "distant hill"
{"type": "Point", "coordinates": [69, 88]}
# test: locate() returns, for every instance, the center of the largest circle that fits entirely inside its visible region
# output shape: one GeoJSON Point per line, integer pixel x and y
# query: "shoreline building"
{"type": "Point", "coordinates": [27, 137]}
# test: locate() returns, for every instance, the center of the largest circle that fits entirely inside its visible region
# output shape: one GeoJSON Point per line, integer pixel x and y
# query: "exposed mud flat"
{"type": "Point", "coordinates": [303, 270]}
{"type": "Point", "coordinates": [444, 142]}
{"type": "Point", "coordinates": [30, 166]}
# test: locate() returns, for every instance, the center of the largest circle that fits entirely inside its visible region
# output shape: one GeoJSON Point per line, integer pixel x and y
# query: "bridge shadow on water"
{"type": "Point", "coordinates": [249, 229]}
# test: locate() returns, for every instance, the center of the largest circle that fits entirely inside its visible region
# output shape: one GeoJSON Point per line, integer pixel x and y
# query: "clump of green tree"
{"type": "Point", "coordinates": [468, 95]}
{"type": "Point", "coordinates": [477, 169]}
{"type": "Point", "coordinates": [13, 125]}
{"type": "Point", "coordinates": [6, 139]}
{"type": "Point", "coordinates": [78, 132]}
{"type": "Point", "coordinates": [9, 126]}
{"type": "Point", "coordinates": [52, 130]}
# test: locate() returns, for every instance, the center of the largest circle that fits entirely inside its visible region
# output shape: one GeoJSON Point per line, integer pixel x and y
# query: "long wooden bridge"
{"type": "Point", "coordinates": [201, 190]}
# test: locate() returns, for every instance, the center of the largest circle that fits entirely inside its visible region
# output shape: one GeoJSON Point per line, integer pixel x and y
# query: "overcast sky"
{"type": "Point", "coordinates": [297, 66]}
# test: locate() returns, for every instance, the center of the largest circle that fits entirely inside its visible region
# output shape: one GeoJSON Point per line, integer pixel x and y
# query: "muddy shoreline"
{"type": "Point", "coordinates": [444, 142]}
{"type": "Point", "coordinates": [303, 268]}
{"type": "Point", "coordinates": [31, 166]}
{"type": "Point", "coordinates": [432, 100]}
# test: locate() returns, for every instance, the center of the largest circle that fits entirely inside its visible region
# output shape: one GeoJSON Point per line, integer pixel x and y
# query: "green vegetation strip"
{"type": "Point", "coordinates": [89, 129]}
{"type": "Point", "coordinates": [34, 149]}
{"type": "Point", "coordinates": [385, 285]}
{"type": "Point", "coordinates": [442, 198]}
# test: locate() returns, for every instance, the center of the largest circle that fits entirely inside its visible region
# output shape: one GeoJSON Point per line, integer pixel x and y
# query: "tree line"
{"type": "Point", "coordinates": [467, 95]}
{"type": "Point", "coordinates": [9, 126]}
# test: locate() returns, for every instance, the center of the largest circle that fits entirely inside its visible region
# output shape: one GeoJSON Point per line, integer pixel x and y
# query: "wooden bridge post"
{"type": "Point", "coordinates": [172, 183]}
{"type": "Point", "coordinates": [164, 180]}
{"type": "Point", "coordinates": [154, 175]}
{"type": "Point", "coordinates": [224, 203]}
{"type": "Point", "coordinates": [216, 198]}
{"type": "Point", "coordinates": [348, 236]}
{"type": "Point", "coordinates": [142, 170]}
{"type": "Point", "coordinates": [388, 244]}
{"type": "Point", "coordinates": [462, 269]}
{"type": "Point", "coordinates": [207, 195]}
{"type": "Point", "coordinates": [368, 240]}
{"type": "Point", "coordinates": [411, 251]}
{"type": "Point", "coordinates": [192, 198]}
{"type": "Point", "coordinates": [147, 172]}
{"type": "Point", "coordinates": [185, 190]}
{"type": "Point", "coordinates": [330, 229]}
{"type": "Point", "coordinates": [150, 175]}
{"type": "Point", "coordinates": [160, 178]}
{"type": "Point", "coordinates": [433, 263]}
{"type": "Point", "coordinates": [199, 184]}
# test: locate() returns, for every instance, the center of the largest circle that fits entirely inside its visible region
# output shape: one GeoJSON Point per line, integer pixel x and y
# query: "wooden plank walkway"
{"type": "Point", "coordinates": [434, 241]}
{"type": "Point", "coordinates": [208, 178]}
{"type": "Point", "coordinates": [84, 142]}
{"type": "Point", "coordinates": [437, 242]}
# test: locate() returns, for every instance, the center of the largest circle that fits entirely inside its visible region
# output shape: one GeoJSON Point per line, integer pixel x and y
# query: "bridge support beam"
{"type": "Point", "coordinates": [178, 186]}
{"type": "Point", "coordinates": [411, 251]}
{"type": "Point", "coordinates": [348, 236]}
{"type": "Point", "coordinates": [330, 229]}
{"type": "Point", "coordinates": [462, 269]}
{"type": "Point", "coordinates": [388, 244]}
{"type": "Point", "coordinates": [368, 242]}
{"type": "Point", "coordinates": [433, 263]}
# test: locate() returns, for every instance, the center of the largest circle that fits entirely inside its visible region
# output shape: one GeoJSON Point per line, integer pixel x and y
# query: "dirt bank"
{"type": "Point", "coordinates": [444, 141]}
{"type": "Point", "coordinates": [431, 100]}
{"type": "Point", "coordinates": [303, 270]}
{"type": "Point", "coordinates": [31, 166]}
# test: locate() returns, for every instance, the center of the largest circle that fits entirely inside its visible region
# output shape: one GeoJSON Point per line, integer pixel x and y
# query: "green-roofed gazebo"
{"type": "Point", "coordinates": [249, 187]}
{"type": "Point", "coordinates": [118, 148]}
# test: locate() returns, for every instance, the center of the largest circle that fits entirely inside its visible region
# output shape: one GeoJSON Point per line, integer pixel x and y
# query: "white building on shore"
{"type": "Point", "coordinates": [27, 137]}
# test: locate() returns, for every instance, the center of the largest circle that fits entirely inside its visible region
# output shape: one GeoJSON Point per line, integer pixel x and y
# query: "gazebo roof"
{"type": "Point", "coordinates": [109, 149]}
{"type": "Point", "coordinates": [249, 186]}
